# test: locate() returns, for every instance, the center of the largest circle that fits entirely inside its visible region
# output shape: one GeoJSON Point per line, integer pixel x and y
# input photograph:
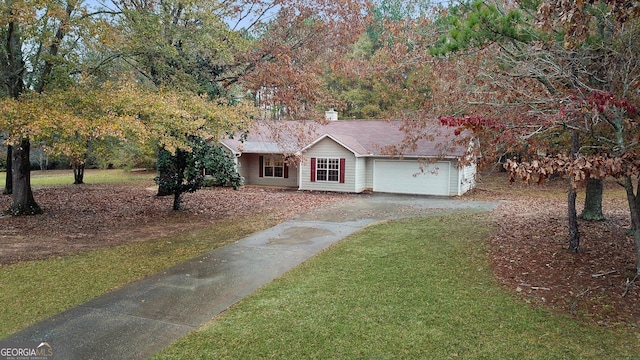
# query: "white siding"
{"type": "Point", "coordinates": [369, 173]}
{"type": "Point", "coordinates": [327, 148]}
{"type": "Point", "coordinates": [459, 178]}
{"type": "Point", "coordinates": [361, 175]}
{"type": "Point", "coordinates": [467, 178]}
{"type": "Point", "coordinates": [243, 166]}
{"type": "Point", "coordinates": [454, 185]}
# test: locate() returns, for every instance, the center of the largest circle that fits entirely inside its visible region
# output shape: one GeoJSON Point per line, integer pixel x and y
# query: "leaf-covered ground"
{"type": "Point", "coordinates": [528, 249]}
{"type": "Point", "coordinates": [84, 217]}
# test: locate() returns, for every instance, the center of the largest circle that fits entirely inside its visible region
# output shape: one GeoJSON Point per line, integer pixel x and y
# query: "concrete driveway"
{"type": "Point", "coordinates": [138, 320]}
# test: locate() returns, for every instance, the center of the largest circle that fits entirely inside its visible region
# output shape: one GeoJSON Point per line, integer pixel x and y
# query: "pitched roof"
{"type": "Point", "coordinates": [362, 137]}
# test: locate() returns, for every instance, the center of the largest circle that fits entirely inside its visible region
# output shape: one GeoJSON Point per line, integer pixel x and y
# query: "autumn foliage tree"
{"type": "Point", "coordinates": [380, 75]}
{"type": "Point", "coordinates": [187, 127]}
{"type": "Point", "coordinates": [615, 121]}
{"type": "Point", "coordinates": [290, 54]}
{"type": "Point", "coordinates": [36, 54]}
{"type": "Point", "coordinates": [227, 50]}
{"type": "Point", "coordinates": [547, 97]}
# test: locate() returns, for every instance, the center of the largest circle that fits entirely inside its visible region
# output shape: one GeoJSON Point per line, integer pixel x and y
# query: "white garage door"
{"type": "Point", "coordinates": [397, 177]}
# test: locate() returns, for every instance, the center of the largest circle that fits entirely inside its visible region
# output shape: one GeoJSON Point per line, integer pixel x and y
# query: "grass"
{"type": "Point", "coordinates": [413, 289]}
{"type": "Point", "coordinates": [32, 291]}
{"type": "Point", "coordinates": [419, 288]}
{"type": "Point", "coordinates": [91, 176]}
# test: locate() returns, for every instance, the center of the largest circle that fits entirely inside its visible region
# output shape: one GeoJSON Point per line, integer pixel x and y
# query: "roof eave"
{"type": "Point", "coordinates": [230, 148]}
{"type": "Point", "coordinates": [356, 153]}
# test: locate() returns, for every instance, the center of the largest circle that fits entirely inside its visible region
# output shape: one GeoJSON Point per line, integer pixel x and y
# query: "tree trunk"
{"type": "Point", "coordinates": [165, 176]}
{"type": "Point", "coordinates": [593, 201]}
{"type": "Point", "coordinates": [633, 199]}
{"type": "Point", "coordinates": [181, 165]}
{"type": "Point", "coordinates": [164, 190]}
{"type": "Point", "coordinates": [78, 174]}
{"type": "Point", "coordinates": [177, 200]}
{"type": "Point", "coordinates": [23, 202]}
{"type": "Point", "coordinates": [13, 68]}
{"type": "Point", "coordinates": [8, 184]}
{"type": "Point", "coordinates": [574, 233]}
{"type": "Point", "coordinates": [54, 48]}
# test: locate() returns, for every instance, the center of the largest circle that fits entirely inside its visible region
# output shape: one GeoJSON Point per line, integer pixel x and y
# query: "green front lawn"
{"type": "Point", "coordinates": [91, 176]}
{"type": "Point", "coordinates": [34, 290]}
{"type": "Point", "coordinates": [413, 289]}
{"type": "Point", "coordinates": [419, 288]}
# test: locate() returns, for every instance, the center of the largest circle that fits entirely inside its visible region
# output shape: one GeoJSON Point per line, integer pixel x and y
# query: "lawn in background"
{"type": "Point", "coordinates": [91, 176]}
{"type": "Point", "coordinates": [412, 289]}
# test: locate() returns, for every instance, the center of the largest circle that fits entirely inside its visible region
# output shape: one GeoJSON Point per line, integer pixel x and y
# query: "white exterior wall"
{"type": "Point", "coordinates": [458, 180]}
{"type": "Point", "coordinates": [369, 173]}
{"type": "Point", "coordinates": [361, 174]}
{"type": "Point", "coordinates": [243, 166]}
{"type": "Point", "coordinates": [467, 178]}
{"type": "Point", "coordinates": [327, 148]}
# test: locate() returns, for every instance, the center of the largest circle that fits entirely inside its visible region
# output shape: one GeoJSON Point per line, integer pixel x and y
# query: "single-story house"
{"type": "Point", "coordinates": [352, 156]}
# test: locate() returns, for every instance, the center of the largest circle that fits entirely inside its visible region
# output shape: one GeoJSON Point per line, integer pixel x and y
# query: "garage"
{"type": "Point", "coordinates": [396, 176]}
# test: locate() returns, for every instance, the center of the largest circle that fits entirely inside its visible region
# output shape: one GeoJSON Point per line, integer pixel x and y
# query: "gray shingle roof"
{"type": "Point", "coordinates": [362, 137]}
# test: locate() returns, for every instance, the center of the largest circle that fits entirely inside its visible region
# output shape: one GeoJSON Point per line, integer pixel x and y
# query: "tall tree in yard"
{"type": "Point", "coordinates": [35, 55]}
{"type": "Point", "coordinates": [553, 86]}
{"type": "Point", "coordinates": [47, 49]}
{"type": "Point", "coordinates": [222, 49]}
{"type": "Point", "coordinates": [68, 121]}
{"type": "Point", "coordinates": [178, 45]}
{"type": "Point", "coordinates": [382, 73]}
{"type": "Point", "coordinates": [608, 110]}
{"type": "Point", "coordinates": [187, 127]}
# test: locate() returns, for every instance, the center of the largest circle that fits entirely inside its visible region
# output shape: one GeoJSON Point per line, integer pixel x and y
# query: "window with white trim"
{"type": "Point", "coordinates": [273, 166]}
{"type": "Point", "coordinates": [328, 169]}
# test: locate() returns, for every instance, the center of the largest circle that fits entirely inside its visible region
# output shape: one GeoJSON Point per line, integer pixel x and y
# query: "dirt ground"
{"type": "Point", "coordinates": [84, 217]}
{"type": "Point", "coordinates": [528, 249]}
{"type": "Point", "coordinates": [530, 256]}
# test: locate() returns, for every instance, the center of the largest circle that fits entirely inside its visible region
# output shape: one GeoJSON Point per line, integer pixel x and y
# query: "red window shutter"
{"type": "Point", "coordinates": [342, 167]}
{"type": "Point", "coordinates": [313, 169]}
{"type": "Point", "coordinates": [286, 170]}
{"type": "Point", "coordinates": [260, 174]}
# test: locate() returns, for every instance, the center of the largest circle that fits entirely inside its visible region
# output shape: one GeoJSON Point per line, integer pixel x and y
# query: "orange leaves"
{"type": "Point", "coordinates": [473, 122]}
{"type": "Point", "coordinates": [578, 170]}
